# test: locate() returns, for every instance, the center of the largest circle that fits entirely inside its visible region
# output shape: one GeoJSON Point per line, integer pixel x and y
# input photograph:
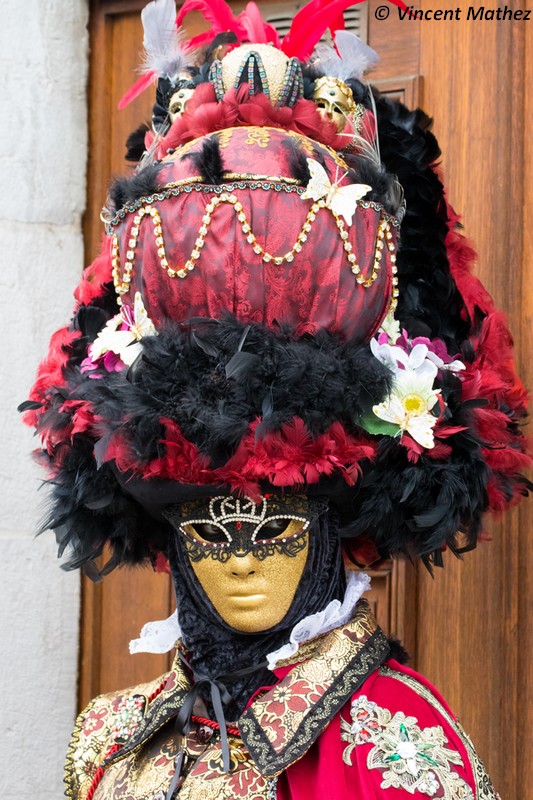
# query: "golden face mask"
{"type": "Point", "coordinates": [334, 100]}
{"type": "Point", "coordinates": [248, 558]}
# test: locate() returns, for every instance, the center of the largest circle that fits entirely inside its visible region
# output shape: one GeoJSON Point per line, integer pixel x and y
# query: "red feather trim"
{"type": "Point", "coordinates": [499, 497]}
{"type": "Point", "coordinates": [204, 116]}
{"type": "Point", "coordinates": [182, 461]}
{"type": "Point", "coordinates": [414, 450]}
{"type": "Point", "coordinates": [96, 275]}
{"type": "Point", "coordinates": [82, 416]}
{"type": "Point", "coordinates": [290, 457]}
{"type": "Point", "coordinates": [76, 416]}
{"type": "Point", "coordinates": [440, 451]}
{"type": "Point", "coordinates": [138, 88]}
{"type": "Point", "coordinates": [491, 377]}
{"type": "Point", "coordinates": [462, 257]}
{"type": "Point", "coordinates": [492, 374]}
{"type": "Point", "coordinates": [50, 372]}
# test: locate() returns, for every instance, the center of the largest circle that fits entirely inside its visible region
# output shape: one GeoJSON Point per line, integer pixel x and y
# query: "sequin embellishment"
{"type": "Point", "coordinates": [129, 716]}
{"type": "Point", "coordinates": [412, 758]}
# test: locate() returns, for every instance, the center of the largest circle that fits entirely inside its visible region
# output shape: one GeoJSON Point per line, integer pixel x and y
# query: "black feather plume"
{"type": "Point", "coordinates": [208, 161]}
{"type": "Point", "coordinates": [143, 183]}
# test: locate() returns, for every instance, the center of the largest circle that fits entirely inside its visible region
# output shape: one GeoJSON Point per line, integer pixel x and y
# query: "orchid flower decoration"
{"type": "Point", "coordinates": [415, 365]}
{"type": "Point", "coordinates": [119, 343]}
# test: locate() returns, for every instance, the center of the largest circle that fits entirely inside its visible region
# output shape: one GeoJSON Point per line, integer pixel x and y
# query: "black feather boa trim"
{"type": "Point", "coordinates": [213, 379]}
{"type": "Point", "coordinates": [430, 303]}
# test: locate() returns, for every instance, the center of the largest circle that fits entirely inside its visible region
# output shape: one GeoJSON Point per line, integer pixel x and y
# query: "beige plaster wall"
{"type": "Point", "coordinates": [43, 142]}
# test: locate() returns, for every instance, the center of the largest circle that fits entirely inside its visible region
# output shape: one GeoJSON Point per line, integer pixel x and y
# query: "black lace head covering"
{"type": "Point", "coordinates": [216, 649]}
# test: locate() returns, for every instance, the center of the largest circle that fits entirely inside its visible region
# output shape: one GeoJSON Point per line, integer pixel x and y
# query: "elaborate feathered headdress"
{"type": "Point", "coordinates": [264, 318]}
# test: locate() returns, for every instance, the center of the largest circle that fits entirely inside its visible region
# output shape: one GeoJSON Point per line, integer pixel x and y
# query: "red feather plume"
{"type": "Point", "coordinates": [310, 23]}
{"type": "Point", "coordinates": [138, 88]}
{"type": "Point", "coordinates": [257, 30]}
{"type": "Point", "coordinates": [50, 372]}
{"type": "Point", "coordinates": [313, 20]}
{"type": "Point", "coordinates": [218, 13]}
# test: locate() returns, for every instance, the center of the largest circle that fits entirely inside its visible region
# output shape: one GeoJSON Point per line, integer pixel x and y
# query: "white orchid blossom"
{"type": "Point", "coordinates": [409, 406]}
{"type": "Point", "coordinates": [452, 366]}
{"type": "Point", "coordinates": [415, 361]}
{"type": "Point", "coordinates": [414, 367]}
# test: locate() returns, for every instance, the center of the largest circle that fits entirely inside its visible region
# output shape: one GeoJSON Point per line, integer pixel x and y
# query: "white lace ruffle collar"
{"type": "Point", "coordinates": [161, 636]}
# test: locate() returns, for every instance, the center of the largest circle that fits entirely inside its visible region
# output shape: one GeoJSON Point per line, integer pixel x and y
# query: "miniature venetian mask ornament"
{"type": "Point", "coordinates": [178, 102]}
{"type": "Point", "coordinates": [265, 69]}
{"type": "Point", "coordinates": [334, 100]}
{"type": "Point", "coordinates": [247, 557]}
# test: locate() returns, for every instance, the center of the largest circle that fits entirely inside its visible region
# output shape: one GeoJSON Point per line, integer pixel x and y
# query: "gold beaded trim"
{"type": "Point", "coordinates": [122, 285]}
{"type": "Point", "coordinates": [384, 239]}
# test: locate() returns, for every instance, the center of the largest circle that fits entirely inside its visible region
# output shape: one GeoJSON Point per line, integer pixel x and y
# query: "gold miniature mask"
{"type": "Point", "coordinates": [334, 100]}
{"type": "Point", "coordinates": [249, 558]}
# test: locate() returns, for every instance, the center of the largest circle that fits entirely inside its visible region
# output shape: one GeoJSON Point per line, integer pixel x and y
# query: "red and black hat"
{"type": "Point", "coordinates": [282, 305]}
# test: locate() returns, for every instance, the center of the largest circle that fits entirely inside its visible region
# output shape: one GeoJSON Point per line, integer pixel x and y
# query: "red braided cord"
{"type": "Point", "coordinates": [157, 691]}
{"type": "Point", "coordinates": [214, 725]}
{"type": "Point", "coordinates": [99, 774]}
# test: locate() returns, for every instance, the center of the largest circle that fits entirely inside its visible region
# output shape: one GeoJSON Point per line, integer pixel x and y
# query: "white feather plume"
{"type": "Point", "coordinates": [164, 54]}
{"type": "Point", "coordinates": [353, 60]}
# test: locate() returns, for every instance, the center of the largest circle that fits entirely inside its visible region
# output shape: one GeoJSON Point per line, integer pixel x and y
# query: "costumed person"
{"type": "Point", "coordinates": [279, 368]}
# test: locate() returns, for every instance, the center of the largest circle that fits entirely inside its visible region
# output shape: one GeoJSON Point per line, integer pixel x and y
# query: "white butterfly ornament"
{"type": "Point", "coordinates": [123, 333]}
{"type": "Point", "coordinates": [341, 200]}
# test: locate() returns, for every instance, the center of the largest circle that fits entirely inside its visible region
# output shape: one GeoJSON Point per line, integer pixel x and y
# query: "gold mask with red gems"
{"type": "Point", "coordinates": [248, 558]}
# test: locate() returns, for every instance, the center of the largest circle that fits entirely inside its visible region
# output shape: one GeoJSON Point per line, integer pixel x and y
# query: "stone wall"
{"type": "Point", "coordinates": [43, 151]}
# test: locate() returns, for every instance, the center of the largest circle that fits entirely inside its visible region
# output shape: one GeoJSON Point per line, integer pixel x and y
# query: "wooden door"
{"type": "Point", "coordinates": [467, 629]}
{"type": "Point", "coordinates": [480, 656]}
{"type": "Point", "coordinates": [114, 611]}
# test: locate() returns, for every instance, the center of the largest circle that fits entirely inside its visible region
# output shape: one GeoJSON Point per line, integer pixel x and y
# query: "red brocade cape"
{"type": "Point", "coordinates": [342, 722]}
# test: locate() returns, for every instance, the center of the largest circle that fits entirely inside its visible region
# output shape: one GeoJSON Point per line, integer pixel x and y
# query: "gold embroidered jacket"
{"type": "Point", "coordinates": [343, 722]}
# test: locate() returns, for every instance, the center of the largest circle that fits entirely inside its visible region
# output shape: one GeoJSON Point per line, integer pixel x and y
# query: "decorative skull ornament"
{"type": "Point", "coordinates": [178, 102]}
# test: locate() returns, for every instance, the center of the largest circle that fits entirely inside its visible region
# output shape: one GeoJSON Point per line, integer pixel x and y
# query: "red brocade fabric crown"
{"type": "Point", "coordinates": [264, 318]}
{"type": "Point", "coordinates": [254, 246]}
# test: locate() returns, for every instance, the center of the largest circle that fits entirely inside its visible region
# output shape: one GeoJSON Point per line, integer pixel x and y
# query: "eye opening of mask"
{"type": "Point", "coordinates": [209, 534]}
{"type": "Point", "coordinates": [279, 527]}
